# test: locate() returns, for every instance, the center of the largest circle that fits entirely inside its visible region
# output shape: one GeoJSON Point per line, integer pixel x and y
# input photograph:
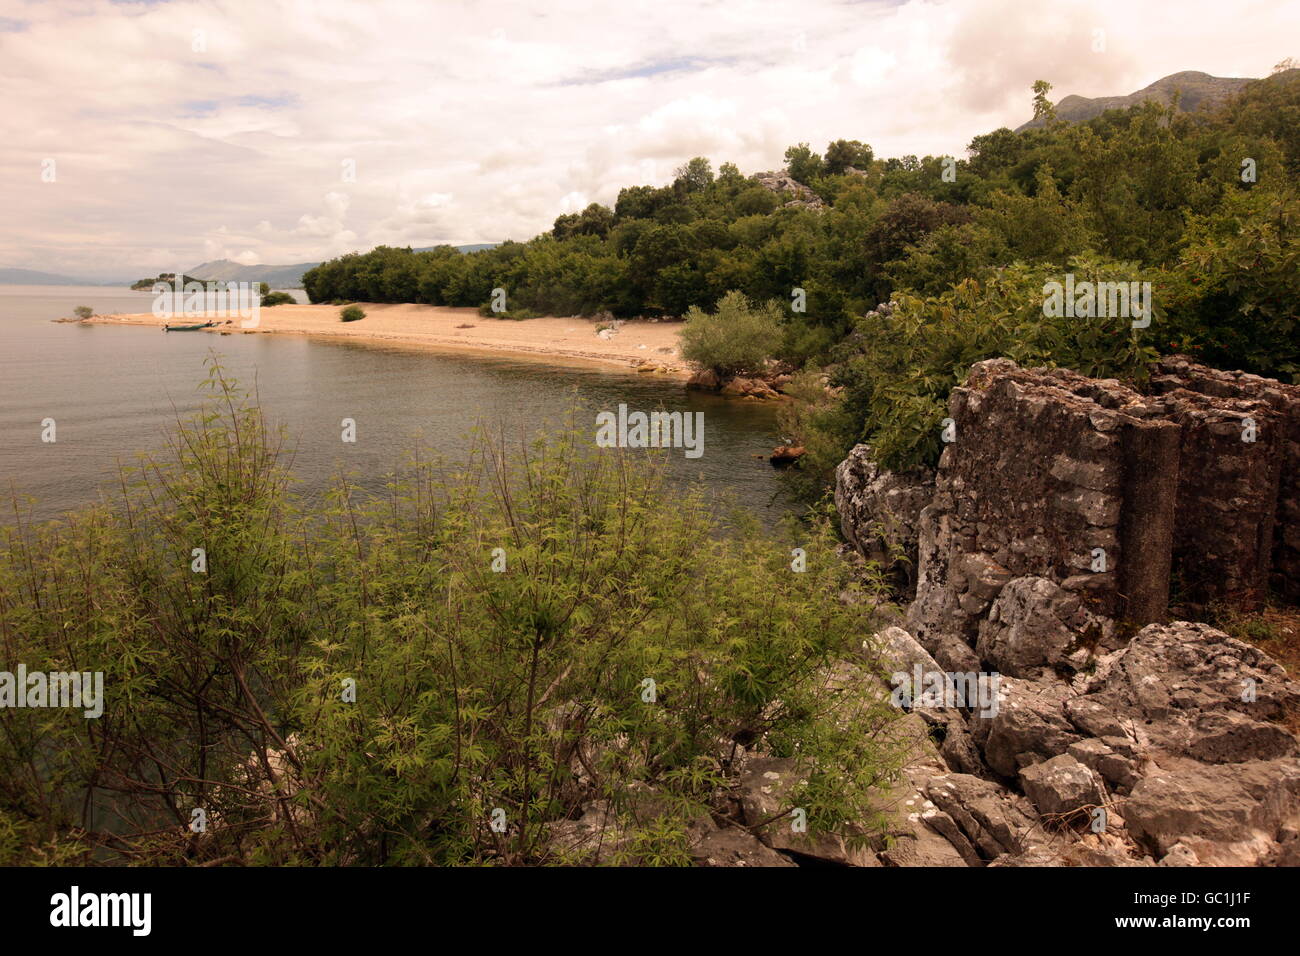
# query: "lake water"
{"type": "Point", "coordinates": [114, 391]}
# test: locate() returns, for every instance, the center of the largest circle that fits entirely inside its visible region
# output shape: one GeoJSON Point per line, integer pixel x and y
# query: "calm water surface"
{"type": "Point", "coordinates": [115, 391]}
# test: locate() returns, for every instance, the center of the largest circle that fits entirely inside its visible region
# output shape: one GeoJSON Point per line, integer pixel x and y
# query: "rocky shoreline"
{"type": "Point", "coordinates": [1117, 737]}
{"type": "Point", "coordinates": [1043, 550]}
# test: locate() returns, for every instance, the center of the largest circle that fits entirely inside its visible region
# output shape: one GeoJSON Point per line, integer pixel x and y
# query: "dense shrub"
{"type": "Point", "coordinates": [737, 338]}
{"type": "Point", "coordinates": [1235, 299]}
{"type": "Point", "coordinates": [902, 361]}
{"type": "Point", "coordinates": [277, 298]}
{"type": "Point", "coordinates": [352, 313]}
{"type": "Point", "coordinates": [518, 684]}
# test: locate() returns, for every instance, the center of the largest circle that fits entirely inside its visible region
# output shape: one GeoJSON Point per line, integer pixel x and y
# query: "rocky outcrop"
{"type": "Point", "coordinates": [1179, 376]}
{"type": "Point", "coordinates": [1045, 547]}
{"type": "Point", "coordinates": [1173, 751]}
{"type": "Point", "coordinates": [795, 193]}
{"type": "Point", "coordinates": [1090, 508]}
{"type": "Point", "coordinates": [764, 385]}
{"type": "Point", "coordinates": [1108, 493]}
{"type": "Point", "coordinates": [745, 387]}
{"type": "Point", "coordinates": [880, 511]}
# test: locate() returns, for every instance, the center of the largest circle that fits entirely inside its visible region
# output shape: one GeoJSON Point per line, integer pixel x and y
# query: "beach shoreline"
{"type": "Point", "coordinates": [639, 346]}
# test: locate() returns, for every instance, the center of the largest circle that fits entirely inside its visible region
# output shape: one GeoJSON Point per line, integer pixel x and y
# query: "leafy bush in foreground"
{"type": "Point", "coordinates": [520, 688]}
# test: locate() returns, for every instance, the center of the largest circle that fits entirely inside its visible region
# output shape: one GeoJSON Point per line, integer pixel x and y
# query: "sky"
{"type": "Point", "coordinates": [138, 137]}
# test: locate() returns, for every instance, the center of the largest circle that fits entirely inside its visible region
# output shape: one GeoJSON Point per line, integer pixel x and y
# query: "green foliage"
{"type": "Point", "coordinates": [1127, 186]}
{"type": "Point", "coordinates": [843, 153]}
{"type": "Point", "coordinates": [277, 298]}
{"type": "Point", "coordinates": [1043, 108]}
{"type": "Point", "coordinates": [911, 355]}
{"type": "Point", "coordinates": [519, 688]}
{"type": "Point", "coordinates": [83, 311]}
{"type": "Point", "coordinates": [1236, 286]}
{"type": "Point", "coordinates": [804, 165]}
{"type": "Point", "coordinates": [737, 338]}
{"type": "Point", "coordinates": [696, 174]}
{"type": "Point", "coordinates": [352, 313]}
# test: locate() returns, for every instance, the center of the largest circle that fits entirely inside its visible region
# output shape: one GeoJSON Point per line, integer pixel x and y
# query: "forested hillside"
{"type": "Point", "coordinates": [1203, 206]}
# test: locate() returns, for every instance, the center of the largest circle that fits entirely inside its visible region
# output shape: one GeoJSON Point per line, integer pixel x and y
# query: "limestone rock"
{"type": "Point", "coordinates": [1035, 625]}
{"type": "Point", "coordinates": [781, 183]}
{"type": "Point", "coordinates": [880, 510]}
{"type": "Point", "coordinates": [1227, 814]}
{"type": "Point", "coordinates": [705, 380]}
{"type": "Point", "coordinates": [1190, 690]}
{"type": "Point", "coordinates": [1062, 786]}
{"type": "Point", "coordinates": [733, 847]}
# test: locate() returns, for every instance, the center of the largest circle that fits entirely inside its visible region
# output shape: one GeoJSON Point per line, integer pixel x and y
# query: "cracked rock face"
{"type": "Point", "coordinates": [1058, 517]}
{"type": "Point", "coordinates": [1062, 786]}
{"type": "Point", "coordinates": [1107, 492]}
{"type": "Point", "coordinates": [1190, 690]}
{"type": "Point", "coordinates": [1035, 626]}
{"type": "Point", "coordinates": [1176, 739]}
{"type": "Point", "coordinates": [880, 511]}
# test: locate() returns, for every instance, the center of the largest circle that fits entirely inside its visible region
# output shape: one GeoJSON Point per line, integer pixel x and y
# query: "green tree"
{"type": "Point", "coordinates": [697, 174]}
{"type": "Point", "coordinates": [1043, 108]}
{"type": "Point", "coordinates": [804, 165]}
{"type": "Point", "coordinates": [738, 337]}
{"type": "Point", "coordinates": [843, 153]}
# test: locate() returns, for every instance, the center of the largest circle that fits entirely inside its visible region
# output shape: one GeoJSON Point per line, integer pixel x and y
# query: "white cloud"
{"type": "Point", "coordinates": [471, 121]}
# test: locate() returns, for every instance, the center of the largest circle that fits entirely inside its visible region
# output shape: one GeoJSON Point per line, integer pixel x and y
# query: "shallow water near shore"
{"type": "Point", "coordinates": [114, 392]}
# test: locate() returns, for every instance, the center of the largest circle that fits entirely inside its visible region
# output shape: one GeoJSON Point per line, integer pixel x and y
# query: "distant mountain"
{"type": "Point", "coordinates": [279, 277]}
{"type": "Point", "coordinates": [476, 247]}
{"type": "Point", "coordinates": [33, 277]}
{"type": "Point", "coordinates": [1196, 88]}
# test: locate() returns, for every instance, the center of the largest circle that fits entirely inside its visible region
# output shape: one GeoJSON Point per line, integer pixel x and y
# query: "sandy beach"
{"type": "Point", "coordinates": [640, 345]}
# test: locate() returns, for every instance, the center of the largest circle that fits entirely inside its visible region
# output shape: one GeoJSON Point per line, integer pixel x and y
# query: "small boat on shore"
{"type": "Point", "coordinates": [188, 328]}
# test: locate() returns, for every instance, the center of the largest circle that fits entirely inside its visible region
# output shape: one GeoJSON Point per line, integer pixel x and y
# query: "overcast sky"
{"type": "Point", "coordinates": [186, 131]}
